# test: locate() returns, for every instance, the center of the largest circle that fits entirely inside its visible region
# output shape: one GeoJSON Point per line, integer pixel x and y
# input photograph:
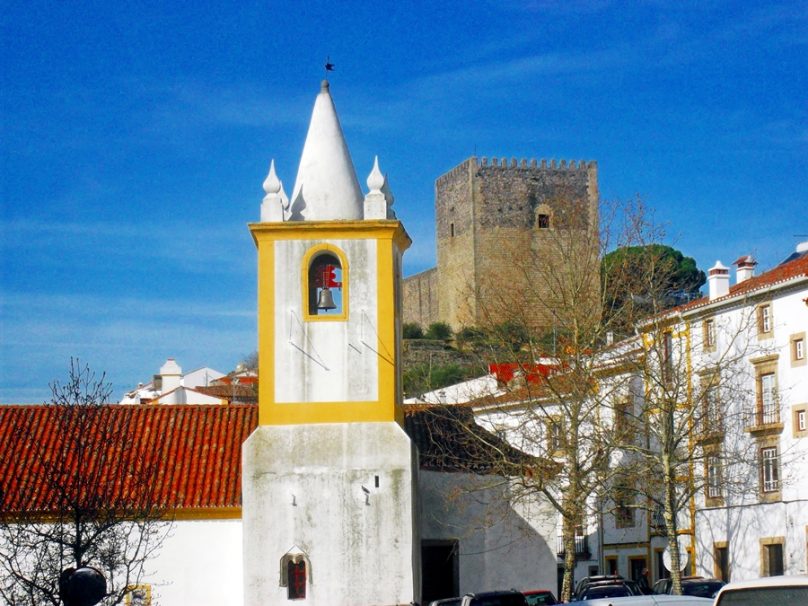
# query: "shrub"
{"type": "Point", "coordinates": [412, 330]}
{"type": "Point", "coordinates": [439, 331]}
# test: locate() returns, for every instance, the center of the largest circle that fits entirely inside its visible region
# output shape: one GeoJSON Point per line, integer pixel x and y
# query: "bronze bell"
{"type": "Point", "coordinates": [325, 300]}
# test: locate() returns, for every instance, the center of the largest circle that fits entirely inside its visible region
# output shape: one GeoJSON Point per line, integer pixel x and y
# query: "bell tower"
{"type": "Point", "coordinates": [329, 475]}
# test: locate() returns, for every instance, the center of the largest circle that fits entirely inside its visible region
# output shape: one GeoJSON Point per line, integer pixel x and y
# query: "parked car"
{"type": "Point", "coordinates": [446, 602]}
{"type": "Point", "coordinates": [783, 591]}
{"type": "Point", "coordinates": [539, 597]}
{"type": "Point", "coordinates": [649, 600]}
{"type": "Point", "coordinates": [494, 598]}
{"type": "Point", "coordinates": [695, 586]}
{"type": "Point", "coordinates": [606, 590]}
{"type": "Point", "coordinates": [601, 578]}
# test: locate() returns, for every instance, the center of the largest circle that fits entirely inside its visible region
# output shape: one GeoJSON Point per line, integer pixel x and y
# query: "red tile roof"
{"type": "Point", "coordinates": [193, 454]}
{"type": "Point", "coordinates": [782, 273]}
{"type": "Point", "coordinates": [190, 454]}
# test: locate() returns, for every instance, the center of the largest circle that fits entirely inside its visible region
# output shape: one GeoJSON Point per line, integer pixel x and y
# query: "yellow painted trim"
{"type": "Point", "coordinates": [308, 258]}
{"type": "Point", "coordinates": [333, 230]}
{"type": "Point", "coordinates": [391, 240]}
{"type": "Point", "coordinates": [202, 513]}
{"type": "Point", "coordinates": [266, 324]}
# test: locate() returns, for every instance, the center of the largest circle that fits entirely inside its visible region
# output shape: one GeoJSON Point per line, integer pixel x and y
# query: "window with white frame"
{"type": "Point", "coordinates": [768, 399]}
{"type": "Point", "coordinates": [798, 349]}
{"type": "Point", "coordinates": [770, 469]}
{"type": "Point", "coordinates": [555, 435]}
{"type": "Point", "coordinates": [714, 476]}
{"type": "Point", "coordinates": [765, 322]}
{"type": "Point", "coordinates": [800, 420]}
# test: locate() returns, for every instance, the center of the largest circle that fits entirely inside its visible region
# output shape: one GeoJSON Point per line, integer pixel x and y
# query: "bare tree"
{"type": "Point", "coordinates": [78, 490]}
{"type": "Point", "coordinates": [688, 369]}
{"type": "Point", "coordinates": [544, 320]}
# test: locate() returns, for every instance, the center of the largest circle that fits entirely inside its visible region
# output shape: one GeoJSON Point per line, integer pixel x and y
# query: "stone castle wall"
{"type": "Point", "coordinates": [421, 298]}
{"type": "Point", "coordinates": [509, 234]}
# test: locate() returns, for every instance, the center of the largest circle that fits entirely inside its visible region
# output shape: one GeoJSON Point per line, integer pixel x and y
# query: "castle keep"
{"type": "Point", "coordinates": [507, 231]}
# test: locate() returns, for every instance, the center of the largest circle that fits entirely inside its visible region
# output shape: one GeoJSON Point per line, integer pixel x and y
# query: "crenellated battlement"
{"type": "Point", "coordinates": [519, 164]}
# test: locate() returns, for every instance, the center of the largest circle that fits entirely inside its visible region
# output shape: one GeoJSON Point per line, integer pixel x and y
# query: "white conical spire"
{"type": "Point", "coordinates": [326, 187]}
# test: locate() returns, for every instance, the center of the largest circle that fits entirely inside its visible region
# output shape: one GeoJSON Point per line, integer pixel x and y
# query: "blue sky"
{"type": "Point", "coordinates": [136, 135]}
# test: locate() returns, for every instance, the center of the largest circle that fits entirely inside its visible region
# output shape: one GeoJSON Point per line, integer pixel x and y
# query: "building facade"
{"type": "Point", "coordinates": [751, 518]}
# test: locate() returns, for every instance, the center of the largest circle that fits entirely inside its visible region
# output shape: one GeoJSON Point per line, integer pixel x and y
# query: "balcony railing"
{"type": "Point", "coordinates": [581, 547]}
{"type": "Point", "coordinates": [658, 518]}
{"type": "Point", "coordinates": [764, 414]}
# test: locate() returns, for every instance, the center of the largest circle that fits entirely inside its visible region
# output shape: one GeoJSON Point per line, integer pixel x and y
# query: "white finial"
{"type": "Point", "coordinates": [274, 203]}
{"type": "Point", "coordinates": [376, 200]}
{"type": "Point", "coordinates": [375, 178]}
{"type": "Point", "coordinates": [272, 185]}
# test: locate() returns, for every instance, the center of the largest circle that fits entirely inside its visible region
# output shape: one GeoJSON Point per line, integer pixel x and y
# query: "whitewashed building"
{"type": "Point", "coordinates": [171, 386]}
{"type": "Point", "coordinates": [751, 520]}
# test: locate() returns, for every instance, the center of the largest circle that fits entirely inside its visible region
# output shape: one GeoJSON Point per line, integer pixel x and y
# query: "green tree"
{"type": "Point", "coordinates": [627, 271]}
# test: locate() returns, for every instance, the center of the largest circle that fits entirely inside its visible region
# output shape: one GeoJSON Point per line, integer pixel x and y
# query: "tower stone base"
{"type": "Point", "coordinates": [339, 497]}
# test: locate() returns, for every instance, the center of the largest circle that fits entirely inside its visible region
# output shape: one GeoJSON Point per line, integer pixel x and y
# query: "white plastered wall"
{"type": "Point", "coordinates": [326, 361]}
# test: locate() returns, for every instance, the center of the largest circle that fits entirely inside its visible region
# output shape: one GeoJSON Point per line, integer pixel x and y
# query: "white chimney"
{"type": "Point", "coordinates": [718, 280]}
{"type": "Point", "coordinates": [746, 268]}
{"type": "Point", "coordinates": [171, 376]}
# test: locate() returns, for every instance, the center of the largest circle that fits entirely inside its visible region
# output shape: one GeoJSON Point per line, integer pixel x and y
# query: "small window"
{"type": "Point", "coordinates": [800, 420]}
{"type": "Point", "coordinates": [714, 477]}
{"type": "Point", "coordinates": [623, 505]}
{"type": "Point", "coordinates": [764, 319]}
{"type": "Point", "coordinates": [798, 349]}
{"type": "Point", "coordinates": [451, 230]}
{"type": "Point", "coordinates": [709, 334]}
{"type": "Point", "coordinates": [296, 574]}
{"type": "Point", "coordinates": [543, 216]}
{"type": "Point", "coordinates": [555, 436]}
{"type": "Point", "coordinates": [770, 469]}
{"type": "Point", "coordinates": [769, 409]}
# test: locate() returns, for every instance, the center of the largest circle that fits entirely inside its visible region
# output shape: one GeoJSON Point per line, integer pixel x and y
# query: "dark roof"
{"type": "Point", "coordinates": [449, 439]}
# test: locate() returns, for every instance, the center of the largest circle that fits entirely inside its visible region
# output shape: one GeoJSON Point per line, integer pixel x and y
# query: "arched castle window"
{"type": "Point", "coordinates": [295, 575]}
{"type": "Point", "coordinates": [325, 285]}
{"type": "Point", "coordinates": [544, 216]}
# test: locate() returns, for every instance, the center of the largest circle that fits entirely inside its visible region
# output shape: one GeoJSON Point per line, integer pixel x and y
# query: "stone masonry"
{"type": "Point", "coordinates": [509, 234]}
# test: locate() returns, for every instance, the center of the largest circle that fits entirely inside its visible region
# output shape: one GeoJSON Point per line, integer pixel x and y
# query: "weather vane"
{"type": "Point", "coordinates": [329, 67]}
